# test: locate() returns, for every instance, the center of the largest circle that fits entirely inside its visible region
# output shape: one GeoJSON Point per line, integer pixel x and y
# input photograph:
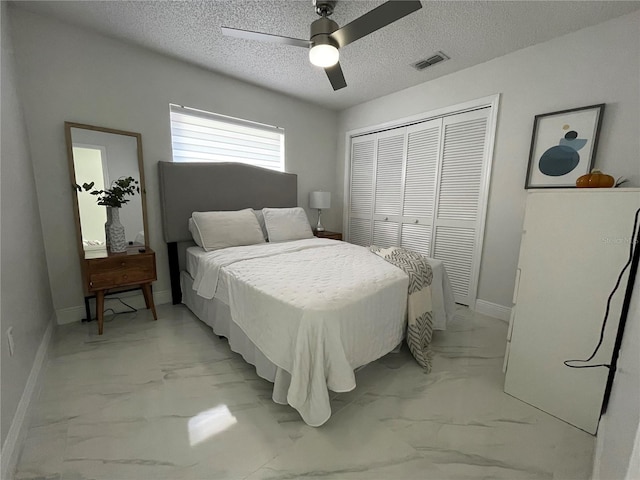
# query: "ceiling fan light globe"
{"type": "Point", "coordinates": [324, 55]}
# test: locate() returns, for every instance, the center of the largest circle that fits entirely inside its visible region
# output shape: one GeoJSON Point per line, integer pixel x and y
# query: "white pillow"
{"type": "Point", "coordinates": [194, 232]}
{"type": "Point", "coordinates": [285, 224]}
{"type": "Point", "coordinates": [227, 229]}
{"type": "Point", "coordinates": [260, 217]}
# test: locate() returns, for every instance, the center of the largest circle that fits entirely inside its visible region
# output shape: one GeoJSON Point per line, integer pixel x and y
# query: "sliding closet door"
{"type": "Point", "coordinates": [421, 168]}
{"type": "Point", "coordinates": [459, 200]}
{"type": "Point", "coordinates": [361, 199]}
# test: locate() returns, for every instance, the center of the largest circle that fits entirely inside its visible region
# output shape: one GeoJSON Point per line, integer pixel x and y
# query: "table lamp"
{"type": "Point", "coordinates": [321, 201]}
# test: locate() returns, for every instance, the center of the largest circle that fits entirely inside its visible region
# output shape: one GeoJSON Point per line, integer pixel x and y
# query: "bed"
{"type": "Point", "coordinates": [305, 332]}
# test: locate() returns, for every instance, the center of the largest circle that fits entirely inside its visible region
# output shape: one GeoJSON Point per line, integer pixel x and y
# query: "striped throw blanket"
{"type": "Point", "coordinates": [419, 306]}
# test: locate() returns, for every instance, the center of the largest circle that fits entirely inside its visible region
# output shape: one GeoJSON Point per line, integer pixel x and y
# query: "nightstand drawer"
{"type": "Point", "coordinates": [122, 270]}
{"type": "Point", "coordinates": [330, 235]}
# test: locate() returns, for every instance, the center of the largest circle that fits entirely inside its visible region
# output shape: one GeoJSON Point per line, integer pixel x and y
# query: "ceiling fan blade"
{"type": "Point", "coordinates": [336, 77]}
{"type": "Point", "coordinates": [265, 37]}
{"type": "Point", "coordinates": [377, 18]}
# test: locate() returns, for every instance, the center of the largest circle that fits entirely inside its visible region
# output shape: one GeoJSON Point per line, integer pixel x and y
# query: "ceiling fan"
{"type": "Point", "coordinates": [326, 37]}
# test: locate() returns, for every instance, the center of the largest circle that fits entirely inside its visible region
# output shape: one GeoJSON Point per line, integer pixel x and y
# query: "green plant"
{"type": "Point", "coordinates": [116, 195]}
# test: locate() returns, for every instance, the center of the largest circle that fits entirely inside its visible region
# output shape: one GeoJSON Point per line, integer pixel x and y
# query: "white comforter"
{"type": "Point", "coordinates": [316, 308]}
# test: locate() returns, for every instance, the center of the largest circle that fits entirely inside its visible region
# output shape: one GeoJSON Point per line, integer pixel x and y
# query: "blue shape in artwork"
{"type": "Point", "coordinates": [562, 158]}
{"type": "Point", "coordinates": [576, 143]}
{"type": "Point", "coordinates": [558, 160]}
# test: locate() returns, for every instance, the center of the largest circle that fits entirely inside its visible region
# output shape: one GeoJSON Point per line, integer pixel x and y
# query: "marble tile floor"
{"type": "Point", "coordinates": [169, 400]}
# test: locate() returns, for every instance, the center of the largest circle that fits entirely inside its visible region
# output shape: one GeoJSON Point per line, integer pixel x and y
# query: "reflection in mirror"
{"type": "Point", "coordinates": [90, 167]}
{"type": "Point", "coordinates": [101, 156]}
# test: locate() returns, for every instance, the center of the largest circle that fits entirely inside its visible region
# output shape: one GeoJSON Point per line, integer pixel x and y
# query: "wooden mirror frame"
{"type": "Point", "coordinates": [72, 172]}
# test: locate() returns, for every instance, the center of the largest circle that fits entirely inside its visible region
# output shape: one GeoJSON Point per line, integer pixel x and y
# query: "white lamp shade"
{"type": "Point", "coordinates": [320, 200]}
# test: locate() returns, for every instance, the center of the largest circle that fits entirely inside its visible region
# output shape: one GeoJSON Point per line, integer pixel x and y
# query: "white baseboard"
{"type": "Point", "coordinates": [493, 310]}
{"type": "Point", "coordinates": [69, 315]}
{"type": "Point", "coordinates": [18, 429]}
{"type": "Point", "coordinates": [162, 297]}
{"type": "Point", "coordinates": [135, 299]}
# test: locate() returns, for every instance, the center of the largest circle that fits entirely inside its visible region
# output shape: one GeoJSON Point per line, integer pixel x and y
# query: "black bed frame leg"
{"type": "Point", "coordinates": [174, 273]}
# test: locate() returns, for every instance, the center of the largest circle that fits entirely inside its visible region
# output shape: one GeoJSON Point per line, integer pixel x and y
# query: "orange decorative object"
{"type": "Point", "coordinates": [595, 179]}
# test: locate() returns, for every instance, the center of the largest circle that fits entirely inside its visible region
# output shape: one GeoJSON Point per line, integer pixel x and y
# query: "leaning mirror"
{"type": "Point", "coordinates": [108, 177]}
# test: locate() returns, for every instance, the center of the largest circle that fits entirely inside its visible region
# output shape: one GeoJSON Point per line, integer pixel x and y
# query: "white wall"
{"type": "Point", "coordinates": [600, 64]}
{"type": "Point", "coordinates": [620, 426]}
{"type": "Point", "coordinates": [26, 297]}
{"type": "Point", "coordinates": [72, 74]}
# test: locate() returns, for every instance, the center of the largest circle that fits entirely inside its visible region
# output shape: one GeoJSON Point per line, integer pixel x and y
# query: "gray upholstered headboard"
{"type": "Point", "coordinates": [204, 187]}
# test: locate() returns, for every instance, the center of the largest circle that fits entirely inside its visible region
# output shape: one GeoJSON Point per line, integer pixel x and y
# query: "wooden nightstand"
{"type": "Point", "coordinates": [106, 270]}
{"type": "Point", "coordinates": [328, 234]}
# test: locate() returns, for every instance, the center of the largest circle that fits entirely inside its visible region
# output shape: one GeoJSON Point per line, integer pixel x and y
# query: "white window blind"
{"type": "Point", "coordinates": [198, 136]}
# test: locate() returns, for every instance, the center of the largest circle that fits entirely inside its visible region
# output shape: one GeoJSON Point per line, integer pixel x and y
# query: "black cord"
{"type": "Point", "coordinates": [115, 314]}
{"type": "Point", "coordinates": [606, 313]}
{"type": "Point", "coordinates": [131, 309]}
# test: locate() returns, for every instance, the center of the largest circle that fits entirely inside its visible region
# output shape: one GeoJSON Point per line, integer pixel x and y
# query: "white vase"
{"type": "Point", "coordinates": [117, 239]}
{"type": "Point", "coordinates": [107, 240]}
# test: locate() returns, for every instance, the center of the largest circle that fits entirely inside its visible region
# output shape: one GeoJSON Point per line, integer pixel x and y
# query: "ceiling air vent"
{"type": "Point", "coordinates": [437, 58]}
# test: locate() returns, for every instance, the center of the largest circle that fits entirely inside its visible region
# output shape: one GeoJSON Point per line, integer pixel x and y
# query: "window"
{"type": "Point", "coordinates": [198, 136]}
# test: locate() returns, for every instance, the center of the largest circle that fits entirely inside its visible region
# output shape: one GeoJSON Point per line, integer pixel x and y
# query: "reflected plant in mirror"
{"type": "Point", "coordinates": [114, 198]}
{"type": "Point", "coordinates": [116, 195]}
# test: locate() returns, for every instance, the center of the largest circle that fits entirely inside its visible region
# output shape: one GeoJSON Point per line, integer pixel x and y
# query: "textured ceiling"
{"type": "Point", "coordinates": [470, 32]}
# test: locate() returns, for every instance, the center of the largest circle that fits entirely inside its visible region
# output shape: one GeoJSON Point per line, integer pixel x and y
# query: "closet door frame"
{"type": "Point", "coordinates": [493, 102]}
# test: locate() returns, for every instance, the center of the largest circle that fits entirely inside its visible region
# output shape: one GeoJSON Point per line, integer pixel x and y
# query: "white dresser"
{"type": "Point", "coordinates": [575, 242]}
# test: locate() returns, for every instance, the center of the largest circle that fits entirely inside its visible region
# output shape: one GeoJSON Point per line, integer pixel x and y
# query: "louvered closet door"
{"type": "Point", "coordinates": [361, 201]}
{"type": "Point", "coordinates": [458, 199]}
{"type": "Point", "coordinates": [389, 187]}
{"type": "Point", "coordinates": [423, 151]}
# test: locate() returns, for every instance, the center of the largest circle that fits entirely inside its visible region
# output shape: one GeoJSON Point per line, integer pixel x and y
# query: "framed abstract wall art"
{"type": "Point", "coordinates": [563, 146]}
